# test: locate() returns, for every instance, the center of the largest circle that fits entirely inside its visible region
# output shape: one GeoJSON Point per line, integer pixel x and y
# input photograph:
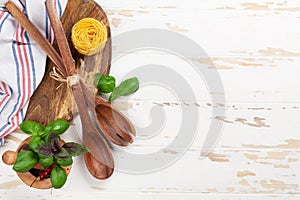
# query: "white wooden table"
{"type": "Point", "coordinates": [254, 46]}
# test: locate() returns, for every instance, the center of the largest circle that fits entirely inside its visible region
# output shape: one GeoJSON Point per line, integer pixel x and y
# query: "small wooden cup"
{"type": "Point", "coordinates": [9, 158]}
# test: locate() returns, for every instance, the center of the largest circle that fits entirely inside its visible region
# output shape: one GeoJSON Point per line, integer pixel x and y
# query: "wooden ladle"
{"type": "Point", "coordinates": [99, 160]}
{"type": "Point", "coordinates": [114, 124]}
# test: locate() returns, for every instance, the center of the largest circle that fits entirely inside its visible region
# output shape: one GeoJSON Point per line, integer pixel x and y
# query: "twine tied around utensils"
{"type": "Point", "coordinates": [59, 76]}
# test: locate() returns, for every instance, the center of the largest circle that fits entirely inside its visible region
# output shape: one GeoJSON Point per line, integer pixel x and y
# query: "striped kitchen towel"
{"type": "Point", "coordinates": [22, 62]}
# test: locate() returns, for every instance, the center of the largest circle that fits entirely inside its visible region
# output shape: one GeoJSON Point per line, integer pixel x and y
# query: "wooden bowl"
{"type": "Point", "coordinates": [9, 157]}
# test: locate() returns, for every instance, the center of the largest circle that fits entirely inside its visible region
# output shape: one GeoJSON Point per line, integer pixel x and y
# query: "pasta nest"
{"type": "Point", "coordinates": [89, 36]}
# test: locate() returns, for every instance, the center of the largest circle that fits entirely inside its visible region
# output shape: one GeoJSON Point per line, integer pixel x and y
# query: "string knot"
{"type": "Point", "coordinates": [59, 76]}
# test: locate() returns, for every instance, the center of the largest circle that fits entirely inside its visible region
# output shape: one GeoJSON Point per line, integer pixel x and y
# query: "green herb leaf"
{"type": "Point", "coordinates": [46, 161]}
{"type": "Point", "coordinates": [62, 153]}
{"type": "Point", "coordinates": [42, 133]}
{"type": "Point", "coordinates": [105, 83]}
{"type": "Point", "coordinates": [75, 149]}
{"type": "Point", "coordinates": [58, 177]}
{"type": "Point", "coordinates": [58, 126]}
{"type": "Point", "coordinates": [45, 149]}
{"type": "Point", "coordinates": [25, 161]}
{"type": "Point", "coordinates": [54, 140]}
{"type": "Point", "coordinates": [113, 95]}
{"type": "Point", "coordinates": [125, 88]}
{"type": "Point", "coordinates": [31, 127]}
{"type": "Point", "coordinates": [128, 86]}
{"type": "Point", "coordinates": [97, 78]}
{"type": "Point", "coordinates": [35, 141]}
{"type": "Point", "coordinates": [64, 162]}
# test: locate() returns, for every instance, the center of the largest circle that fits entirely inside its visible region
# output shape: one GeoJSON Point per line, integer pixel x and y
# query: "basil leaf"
{"type": "Point", "coordinates": [42, 133]}
{"type": "Point", "coordinates": [45, 149]}
{"type": "Point", "coordinates": [25, 161]}
{"type": "Point", "coordinates": [125, 88]}
{"type": "Point", "coordinates": [31, 127]}
{"type": "Point", "coordinates": [64, 162]}
{"type": "Point", "coordinates": [74, 149]}
{"type": "Point", "coordinates": [62, 153]}
{"type": "Point", "coordinates": [58, 126]}
{"type": "Point", "coordinates": [46, 161]}
{"type": "Point", "coordinates": [128, 86]}
{"type": "Point", "coordinates": [105, 83]}
{"type": "Point", "coordinates": [53, 139]}
{"type": "Point", "coordinates": [58, 177]}
{"type": "Point", "coordinates": [113, 96]}
{"type": "Point", "coordinates": [97, 78]}
{"type": "Point", "coordinates": [48, 129]}
{"type": "Point", "coordinates": [34, 142]}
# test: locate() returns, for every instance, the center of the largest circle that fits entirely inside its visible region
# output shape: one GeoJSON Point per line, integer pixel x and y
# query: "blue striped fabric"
{"type": "Point", "coordinates": [21, 61]}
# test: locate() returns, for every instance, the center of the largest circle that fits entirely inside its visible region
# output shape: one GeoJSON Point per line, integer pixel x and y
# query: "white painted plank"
{"type": "Point", "coordinates": [146, 196]}
{"type": "Point", "coordinates": [226, 171]}
{"type": "Point", "coordinates": [274, 80]}
{"type": "Point", "coordinates": [226, 33]}
{"type": "Point", "coordinates": [256, 5]}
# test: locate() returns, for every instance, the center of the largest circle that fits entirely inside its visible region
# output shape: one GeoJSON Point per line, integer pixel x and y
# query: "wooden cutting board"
{"type": "Point", "coordinates": [52, 99]}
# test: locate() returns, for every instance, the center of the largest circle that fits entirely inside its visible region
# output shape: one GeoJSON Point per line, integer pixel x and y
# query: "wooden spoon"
{"type": "Point", "coordinates": [114, 124]}
{"type": "Point", "coordinates": [99, 160]}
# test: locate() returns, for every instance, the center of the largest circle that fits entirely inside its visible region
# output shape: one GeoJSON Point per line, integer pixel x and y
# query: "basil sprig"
{"type": "Point", "coordinates": [106, 84]}
{"type": "Point", "coordinates": [46, 148]}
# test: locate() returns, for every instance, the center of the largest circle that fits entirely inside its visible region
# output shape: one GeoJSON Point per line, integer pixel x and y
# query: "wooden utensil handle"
{"type": "Point", "coordinates": [9, 157]}
{"type": "Point", "coordinates": [36, 35]}
{"type": "Point", "coordinates": [80, 102]}
{"type": "Point", "coordinates": [61, 39]}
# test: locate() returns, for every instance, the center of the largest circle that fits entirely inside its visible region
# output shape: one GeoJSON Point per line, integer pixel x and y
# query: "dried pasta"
{"type": "Point", "coordinates": [89, 36]}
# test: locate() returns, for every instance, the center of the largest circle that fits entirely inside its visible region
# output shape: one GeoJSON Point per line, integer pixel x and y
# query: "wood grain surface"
{"type": "Point", "coordinates": [254, 46]}
{"type": "Point", "coordinates": [53, 98]}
